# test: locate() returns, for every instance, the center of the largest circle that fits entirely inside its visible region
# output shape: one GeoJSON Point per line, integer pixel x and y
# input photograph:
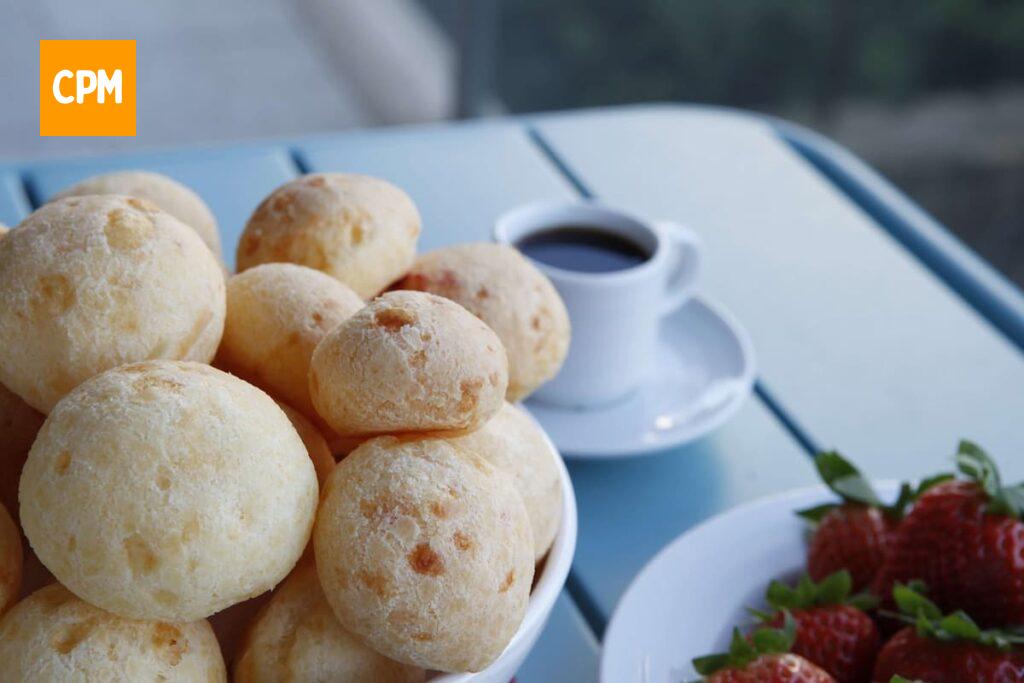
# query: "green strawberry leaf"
{"type": "Point", "coordinates": [844, 479]}
{"type": "Point", "coordinates": [901, 679]}
{"type": "Point", "coordinates": [817, 513]}
{"type": "Point", "coordinates": [742, 651]}
{"type": "Point", "coordinates": [911, 602]}
{"type": "Point", "coordinates": [929, 621]}
{"type": "Point", "coordinates": [959, 626]}
{"type": "Point", "coordinates": [709, 664]}
{"type": "Point", "coordinates": [865, 601]}
{"type": "Point", "coordinates": [976, 464]}
{"type": "Point", "coordinates": [834, 589]}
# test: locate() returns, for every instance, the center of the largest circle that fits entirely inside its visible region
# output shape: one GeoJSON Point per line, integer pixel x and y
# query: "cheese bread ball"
{"type": "Point", "coordinates": [168, 490]}
{"type": "Point", "coordinates": [167, 193]}
{"type": "Point", "coordinates": [313, 440]}
{"type": "Point", "coordinates": [425, 552]}
{"type": "Point", "coordinates": [501, 287]}
{"type": "Point", "coordinates": [10, 561]}
{"type": "Point", "coordinates": [277, 314]}
{"type": "Point", "coordinates": [512, 442]}
{"type": "Point", "coordinates": [298, 638]}
{"type": "Point", "coordinates": [408, 362]}
{"type": "Point", "coordinates": [54, 636]}
{"type": "Point", "coordinates": [359, 229]}
{"type": "Point", "coordinates": [19, 423]}
{"type": "Point", "coordinates": [90, 283]}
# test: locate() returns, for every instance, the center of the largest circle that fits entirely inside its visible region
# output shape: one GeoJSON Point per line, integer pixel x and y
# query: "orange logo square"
{"type": "Point", "coordinates": [86, 87]}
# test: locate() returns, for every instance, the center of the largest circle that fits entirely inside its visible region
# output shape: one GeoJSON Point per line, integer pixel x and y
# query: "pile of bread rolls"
{"type": "Point", "coordinates": [310, 470]}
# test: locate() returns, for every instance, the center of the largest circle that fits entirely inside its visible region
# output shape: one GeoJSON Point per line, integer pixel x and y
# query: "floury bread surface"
{"type": "Point", "coordinates": [277, 313]}
{"type": "Point", "coordinates": [359, 229]}
{"type": "Point", "coordinates": [166, 193]}
{"type": "Point", "coordinates": [408, 362]}
{"type": "Point", "coordinates": [53, 636]}
{"type": "Point", "coordinates": [425, 552]}
{"type": "Point", "coordinates": [502, 288]}
{"type": "Point", "coordinates": [296, 637]}
{"type": "Point", "coordinates": [168, 490]}
{"type": "Point", "coordinates": [90, 283]}
{"type": "Point", "coordinates": [512, 442]}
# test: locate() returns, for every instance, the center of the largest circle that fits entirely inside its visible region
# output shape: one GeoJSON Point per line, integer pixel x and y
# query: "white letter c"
{"type": "Point", "coordinates": [62, 74]}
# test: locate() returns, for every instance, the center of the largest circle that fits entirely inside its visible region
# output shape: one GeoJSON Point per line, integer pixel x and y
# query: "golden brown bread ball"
{"type": "Point", "coordinates": [297, 638]}
{"type": "Point", "coordinates": [512, 442]}
{"type": "Point", "coordinates": [10, 561]}
{"type": "Point", "coordinates": [229, 625]}
{"type": "Point", "coordinates": [53, 636]}
{"type": "Point", "coordinates": [90, 283]}
{"type": "Point", "coordinates": [359, 229]}
{"type": "Point", "coordinates": [167, 193]}
{"type": "Point", "coordinates": [19, 423]}
{"type": "Point", "coordinates": [313, 440]}
{"type": "Point", "coordinates": [277, 314]}
{"type": "Point", "coordinates": [498, 285]}
{"type": "Point", "coordinates": [167, 490]}
{"type": "Point", "coordinates": [408, 362]}
{"type": "Point", "coordinates": [425, 552]}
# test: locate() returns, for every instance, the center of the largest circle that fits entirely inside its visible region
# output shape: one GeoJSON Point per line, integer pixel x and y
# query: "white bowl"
{"type": "Point", "coordinates": [542, 599]}
{"type": "Point", "coordinates": [687, 599]}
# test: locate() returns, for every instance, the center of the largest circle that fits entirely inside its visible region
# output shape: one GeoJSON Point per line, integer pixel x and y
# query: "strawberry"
{"type": "Point", "coordinates": [965, 540]}
{"type": "Point", "coordinates": [832, 629]}
{"type": "Point", "coordinates": [765, 658]}
{"type": "Point", "coordinates": [947, 649]}
{"type": "Point", "coordinates": [854, 535]}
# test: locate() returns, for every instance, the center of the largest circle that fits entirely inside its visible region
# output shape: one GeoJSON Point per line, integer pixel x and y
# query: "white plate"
{"type": "Point", "coordinates": [542, 599]}
{"type": "Point", "coordinates": [687, 599]}
{"type": "Point", "coordinates": [703, 373]}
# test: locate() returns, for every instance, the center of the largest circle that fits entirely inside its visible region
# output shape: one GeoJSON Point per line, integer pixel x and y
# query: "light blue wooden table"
{"type": "Point", "coordinates": [876, 331]}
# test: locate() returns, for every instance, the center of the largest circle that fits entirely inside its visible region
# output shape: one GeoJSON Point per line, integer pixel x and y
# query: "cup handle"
{"type": "Point", "coordinates": [686, 251]}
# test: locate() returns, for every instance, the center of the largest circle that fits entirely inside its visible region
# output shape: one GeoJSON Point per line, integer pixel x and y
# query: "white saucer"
{"type": "Point", "coordinates": [704, 372]}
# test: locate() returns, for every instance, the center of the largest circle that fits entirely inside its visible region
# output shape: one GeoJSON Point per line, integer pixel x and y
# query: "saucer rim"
{"type": "Point", "coordinates": [745, 382]}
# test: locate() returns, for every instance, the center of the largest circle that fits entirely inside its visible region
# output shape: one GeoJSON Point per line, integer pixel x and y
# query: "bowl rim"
{"type": "Point", "coordinates": [553, 576]}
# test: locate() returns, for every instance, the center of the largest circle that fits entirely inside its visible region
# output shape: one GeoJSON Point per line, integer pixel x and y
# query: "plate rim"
{"type": "Point", "coordinates": [808, 494]}
{"type": "Point", "coordinates": [745, 382]}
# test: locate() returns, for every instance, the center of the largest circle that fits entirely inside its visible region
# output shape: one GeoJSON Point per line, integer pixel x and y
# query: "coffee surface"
{"type": "Point", "coordinates": [582, 248]}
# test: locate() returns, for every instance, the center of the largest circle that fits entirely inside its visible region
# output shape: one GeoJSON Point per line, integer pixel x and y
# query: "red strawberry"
{"type": "Point", "coordinates": [762, 659]}
{"type": "Point", "coordinates": [832, 629]}
{"type": "Point", "coordinates": [854, 535]}
{"type": "Point", "coordinates": [950, 649]}
{"type": "Point", "coordinates": [782, 668]}
{"type": "Point", "coordinates": [965, 540]}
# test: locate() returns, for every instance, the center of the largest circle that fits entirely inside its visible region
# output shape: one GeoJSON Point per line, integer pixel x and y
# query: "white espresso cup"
{"type": "Point", "coordinates": [615, 315]}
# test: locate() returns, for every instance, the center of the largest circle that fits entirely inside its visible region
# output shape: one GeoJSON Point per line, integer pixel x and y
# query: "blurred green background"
{"type": "Point", "coordinates": [767, 54]}
{"type": "Point", "coordinates": [931, 92]}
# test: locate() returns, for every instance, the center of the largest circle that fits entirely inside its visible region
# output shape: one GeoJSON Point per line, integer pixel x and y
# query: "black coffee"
{"type": "Point", "coordinates": [582, 248]}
